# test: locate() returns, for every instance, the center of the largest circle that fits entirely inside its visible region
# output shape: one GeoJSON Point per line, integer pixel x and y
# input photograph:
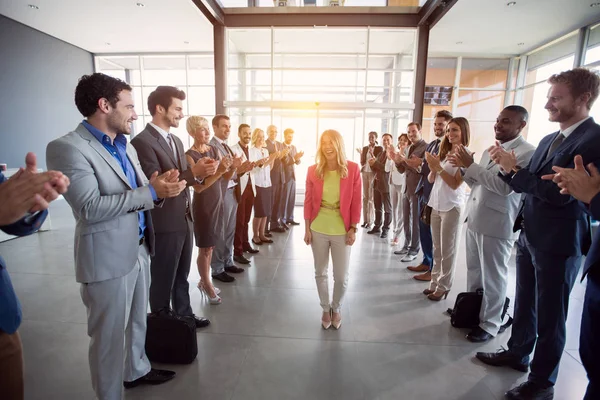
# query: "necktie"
{"type": "Point", "coordinates": [173, 148]}
{"type": "Point", "coordinates": [228, 149]}
{"type": "Point", "coordinates": [557, 142]}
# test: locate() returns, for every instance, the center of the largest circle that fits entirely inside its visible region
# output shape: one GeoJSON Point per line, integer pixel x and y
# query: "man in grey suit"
{"type": "Point", "coordinates": [289, 189]}
{"type": "Point", "coordinates": [222, 257]}
{"type": "Point", "coordinates": [277, 180]}
{"type": "Point", "coordinates": [159, 150]}
{"type": "Point", "coordinates": [491, 210]}
{"type": "Point", "coordinates": [410, 202]}
{"type": "Point", "coordinates": [381, 189]}
{"type": "Point", "coordinates": [114, 237]}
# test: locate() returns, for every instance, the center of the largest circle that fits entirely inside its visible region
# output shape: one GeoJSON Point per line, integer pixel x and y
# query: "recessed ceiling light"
{"type": "Point", "coordinates": [140, 4]}
{"type": "Point", "coordinates": [186, 42]}
{"type": "Point", "coordinates": [107, 43]}
{"type": "Point", "coordinates": [595, 5]}
{"type": "Point", "coordinates": [33, 6]}
{"type": "Point", "coordinates": [521, 44]}
{"type": "Point", "coordinates": [511, 3]}
{"type": "Point", "coordinates": [458, 42]}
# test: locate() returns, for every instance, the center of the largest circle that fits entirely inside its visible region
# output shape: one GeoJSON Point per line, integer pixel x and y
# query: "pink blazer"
{"type": "Point", "coordinates": [350, 195]}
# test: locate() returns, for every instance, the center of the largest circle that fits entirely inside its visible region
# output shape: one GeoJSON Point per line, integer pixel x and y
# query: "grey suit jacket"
{"type": "Point", "coordinates": [224, 153]}
{"type": "Point", "coordinates": [289, 164]}
{"type": "Point", "coordinates": [155, 154]}
{"type": "Point", "coordinates": [382, 178]}
{"type": "Point", "coordinates": [493, 205]}
{"type": "Point", "coordinates": [277, 174]}
{"type": "Point", "coordinates": [104, 205]}
{"type": "Point", "coordinates": [412, 175]}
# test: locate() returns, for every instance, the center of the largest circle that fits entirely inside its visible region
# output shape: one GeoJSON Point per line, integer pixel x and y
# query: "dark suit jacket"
{"type": "Point", "coordinates": [363, 155]}
{"type": "Point", "coordinates": [10, 311]}
{"type": "Point", "coordinates": [556, 223]}
{"type": "Point", "coordinates": [277, 174]}
{"type": "Point", "coordinates": [424, 187]}
{"type": "Point", "coordinates": [382, 178]}
{"type": "Point", "coordinates": [592, 261]}
{"type": "Point", "coordinates": [155, 154]}
{"type": "Point", "coordinates": [412, 175]}
{"type": "Point", "coordinates": [289, 164]}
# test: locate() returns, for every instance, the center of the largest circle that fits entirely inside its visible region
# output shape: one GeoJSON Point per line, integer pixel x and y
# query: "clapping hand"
{"type": "Point", "coordinates": [507, 161]}
{"type": "Point", "coordinates": [577, 182]}
{"type": "Point", "coordinates": [204, 167]}
{"type": "Point", "coordinates": [414, 162]}
{"type": "Point", "coordinates": [433, 161]}
{"type": "Point", "coordinates": [168, 184]}
{"type": "Point", "coordinates": [245, 167]}
{"type": "Point", "coordinates": [298, 155]}
{"type": "Point", "coordinates": [461, 158]}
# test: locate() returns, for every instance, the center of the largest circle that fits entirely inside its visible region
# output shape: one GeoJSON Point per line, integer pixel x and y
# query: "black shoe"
{"type": "Point", "coordinates": [374, 230]}
{"type": "Point", "coordinates": [503, 358]}
{"type": "Point", "coordinates": [223, 277]}
{"type": "Point", "coordinates": [292, 222]}
{"type": "Point", "coordinates": [530, 391]}
{"type": "Point", "coordinates": [251, 250]}
{"type": "Point", "coordinates": [278, 229]}
{"type": "Point", "coordinates": [241, 260]}
{"type": "Point", "coordinates": [154, 377]}
{"type": "Point", "coordinates": [383, 234]}
{"type": "Point", "coordinates": [478, 335]}
{"type": "Point", "coordinates": [364, 225]}
{"type": "Point", "coordinates": [200, 322]}
{"type": "Point", "coordinates": [234, 270]}
{"type": "Point", "coordinates": [268, 234]}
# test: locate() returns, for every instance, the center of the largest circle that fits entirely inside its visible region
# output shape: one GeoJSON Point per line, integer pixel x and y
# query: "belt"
{"type": "Point", "coordinates": [142, 239]}
{"type": "Point", "coordinates": [330, 207]}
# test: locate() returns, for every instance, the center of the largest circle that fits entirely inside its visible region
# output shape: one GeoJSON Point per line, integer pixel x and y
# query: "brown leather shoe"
{"type": "Point", "coordinates": [418, 268]}
{"type": "Point", "coordinates": [426, 277]}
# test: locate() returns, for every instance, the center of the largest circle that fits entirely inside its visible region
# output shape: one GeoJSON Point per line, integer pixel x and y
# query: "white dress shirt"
{"type": "Point", "coordinates": [261, 176]}
{"type": "Point", "coordinates": [443, 198]}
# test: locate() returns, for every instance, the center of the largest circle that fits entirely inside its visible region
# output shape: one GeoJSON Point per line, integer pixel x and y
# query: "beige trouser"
{"type": "Point", "coordinates": [367, 201]}
{"type": "Point", "coordinates": [340, 256]}
{"type": "Point", "coordinates": [445, 232]}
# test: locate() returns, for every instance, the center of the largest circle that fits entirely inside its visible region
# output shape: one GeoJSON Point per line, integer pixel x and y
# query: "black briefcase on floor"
{"type": "Point", "coordinates": [465, 313]}
{"type": "Point", "coordinates": [171, 339]}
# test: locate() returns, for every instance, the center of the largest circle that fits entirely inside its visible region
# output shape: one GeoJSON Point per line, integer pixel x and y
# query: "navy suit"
{"type": "Point", "coordinates": [589, 343]}
{"type": "Point", "coordinates": [549, 251]}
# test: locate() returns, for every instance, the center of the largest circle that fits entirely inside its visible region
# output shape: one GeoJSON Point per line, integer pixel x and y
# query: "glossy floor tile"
{"type": "Point", "coordinates": [265, 340]}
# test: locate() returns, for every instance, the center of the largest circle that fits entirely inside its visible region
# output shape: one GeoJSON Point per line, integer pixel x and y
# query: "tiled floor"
{"type": "Point", "coordinates": [265, 341]}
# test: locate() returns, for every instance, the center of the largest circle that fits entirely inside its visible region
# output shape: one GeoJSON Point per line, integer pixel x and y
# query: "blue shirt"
{"type": "Point", "coordinates": [118, 149]}
{"type": "Point", "coordinates": [10, 309]}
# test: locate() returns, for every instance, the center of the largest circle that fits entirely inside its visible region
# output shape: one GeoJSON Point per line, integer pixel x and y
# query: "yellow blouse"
{"type": "Point", "coordinates": [329, 220]}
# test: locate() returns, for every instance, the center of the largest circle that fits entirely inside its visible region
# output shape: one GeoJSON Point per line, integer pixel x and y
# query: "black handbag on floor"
{"type": "Point", "coordinates": [465, 313]}
{"type": "Point", "coordinates": [171, 339]}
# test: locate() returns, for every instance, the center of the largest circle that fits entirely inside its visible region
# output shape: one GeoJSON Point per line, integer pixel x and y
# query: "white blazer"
{"type": "Point", "coordinates": [243, 180]}
{"type": "Point", "coordinates": [261, 176]}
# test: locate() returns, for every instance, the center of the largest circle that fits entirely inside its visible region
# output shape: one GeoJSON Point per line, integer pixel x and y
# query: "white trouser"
{"type": "Point", "coordinates": [116, 311]}
{"type": "Point", "coordinates": [397, 210]}
{"type": "Point", "coordinates": [487, 269]}
{"type": "Point", "coordinates": [367, 200]}
{"type": "Point", "coordinates": [340, 257]}
{"type": "Point", "coordinates": [445, 232]}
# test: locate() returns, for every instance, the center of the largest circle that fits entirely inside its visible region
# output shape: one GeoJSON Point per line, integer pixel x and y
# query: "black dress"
{"type": "Point", "coordinates": [207, 206]}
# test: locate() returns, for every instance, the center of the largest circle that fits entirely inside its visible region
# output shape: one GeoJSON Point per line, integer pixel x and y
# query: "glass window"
{"type": "Point", "coordinates": [484, 73]}
{"type": "Point", "coordinates": [479, 104]}
{"type": "Point", "coordinates": [201, 70]}
{"type": "Point", "coordinates": [546, 71]}
{"type": "Point", "coordinates": [164, 70]}
{"type": "Point", "coordinates": [592, 53]}
{"type": "Point", "coordinates": [124, 68]}
{"type": "Point", "coordinates": [482, 137]}
{"type": "Point", "coordinates": [201, 101]}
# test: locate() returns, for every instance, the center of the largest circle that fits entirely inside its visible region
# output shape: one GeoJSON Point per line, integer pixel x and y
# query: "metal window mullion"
{"type": "Point", "coordinates": [511, 67]}
{"type": "Point", "coordinates": [272, 63]}
{"type": "Point", "coordinates": [456, 84]}
{"type": "Point", "coordinates": [367, 63]}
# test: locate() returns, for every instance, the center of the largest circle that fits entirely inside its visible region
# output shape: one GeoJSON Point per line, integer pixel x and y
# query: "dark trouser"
{"type": "Point", "coordinates": [382, 201]}
{"type": "Point", "coordinates": [589, 342]}
{"type": "Point", "coordinates": [410, 210]}
{"type": "Point", "coordinates": [290, 202]}
{"type": "Point", "coordinates": [11, 367]}
{"type": "Point", "coordinates": [278, 198]}
{"type": "Point", "coordinates": [169, 270]}
{"type": "Point", "coordinates": [426, 239]}
{"type": "Point", "coordinates": [544, 282]}
{"type": "Point", "coordinates": [240, 241]}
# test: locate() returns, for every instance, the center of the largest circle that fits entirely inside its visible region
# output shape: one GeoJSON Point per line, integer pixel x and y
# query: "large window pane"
{"type": "Point", "coordinates": [441, 73]}
{"type": "Point", "coordinates": [484, 73]}
{"type": "Point", "coordinates": [330, 40]}
{"type": "Point", "coordinates": [126, 68]}
{"type": "Point", "coordinates": [480, 105]}
{"type": "Point", "coordinates": [482, 137]}
{"type": "Point", "coordinates": [544, 72]}
{"type": "Point", "coordinates": [592, 53]}
{"type": "Point", "coordinates": [201, 101]}
{"type": "Point", "coordinates": [164, 70]}
{"type": "Point", "coordinates": [201, 70]}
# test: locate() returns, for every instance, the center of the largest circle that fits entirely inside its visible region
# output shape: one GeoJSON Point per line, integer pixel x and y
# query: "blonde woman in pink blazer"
{"type": "Point", "coordinates": [332, 206]}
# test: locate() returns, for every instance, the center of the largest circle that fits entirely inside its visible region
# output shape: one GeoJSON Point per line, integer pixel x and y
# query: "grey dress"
{"type": "Point", "coordinates": [207, 206]}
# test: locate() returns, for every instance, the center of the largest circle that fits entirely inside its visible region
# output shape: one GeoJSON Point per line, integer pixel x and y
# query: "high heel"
{"type": "Point", "coordinates": [212, 300]}
{"type": "Point", "coordinates": [428, 292]}
{"type": "Point", "coordinates": [266, 240]}
{"type": "Point", "coordinates": [260, 242]}
{"type": "Point", "coordinates": [336, 323]}
{"type": "Point", "coordinates": [326, 324]}
{"type": "Point", "coordinates": [437, 297]}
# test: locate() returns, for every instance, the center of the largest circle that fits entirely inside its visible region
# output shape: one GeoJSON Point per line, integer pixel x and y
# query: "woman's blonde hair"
{"type": "Point", "coordinates": [255, 136]}
{"type": "Point", "coordinates": [338, 144]}
{"type": "Point", "coordinates": [194, 122]}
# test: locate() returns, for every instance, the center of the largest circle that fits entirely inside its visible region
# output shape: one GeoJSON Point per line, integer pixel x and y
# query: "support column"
{"type": "Point", "coordinates": [220, 59]}
{"type": "Point", "coordinates": [421, 72]}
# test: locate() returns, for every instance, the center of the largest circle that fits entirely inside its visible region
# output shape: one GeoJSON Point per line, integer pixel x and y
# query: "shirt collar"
{"type": "Point", "coordinates": [160, 130]}
{"type": "Point", "coordinates": [506, 145]}
{"type": "Point", "coordinates": [219, 140]}
{"type": "Point", "coordinates": [103, 137]}
{"type": "Point", "coordinates": [572, 128]}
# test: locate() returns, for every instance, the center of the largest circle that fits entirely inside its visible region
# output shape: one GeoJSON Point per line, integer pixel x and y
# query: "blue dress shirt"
{"type": "Point", "coordinates": [118, 150]}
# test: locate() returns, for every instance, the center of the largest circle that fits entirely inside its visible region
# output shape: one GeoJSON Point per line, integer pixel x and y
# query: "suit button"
{"type": "Point", "coordinates": [474, 199]}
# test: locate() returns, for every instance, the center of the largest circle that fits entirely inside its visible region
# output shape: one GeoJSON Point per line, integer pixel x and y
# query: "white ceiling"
{"type": "Point", "coordinates": [490, 27]}
{"type": "Point", "coordinates": [159, 26]}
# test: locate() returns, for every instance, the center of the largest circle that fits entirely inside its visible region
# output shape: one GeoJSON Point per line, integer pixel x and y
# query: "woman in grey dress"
{"type": "Point", "coordinates": [207, 206]}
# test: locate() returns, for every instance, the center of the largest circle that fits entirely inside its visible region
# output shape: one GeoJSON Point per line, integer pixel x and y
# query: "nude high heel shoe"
{"type": "Point", "coordinates": [212, 300]}
{"type": "Point", "coordinates": [336, 323]}
{"type": "Point", "coordinates": [326, 324]}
